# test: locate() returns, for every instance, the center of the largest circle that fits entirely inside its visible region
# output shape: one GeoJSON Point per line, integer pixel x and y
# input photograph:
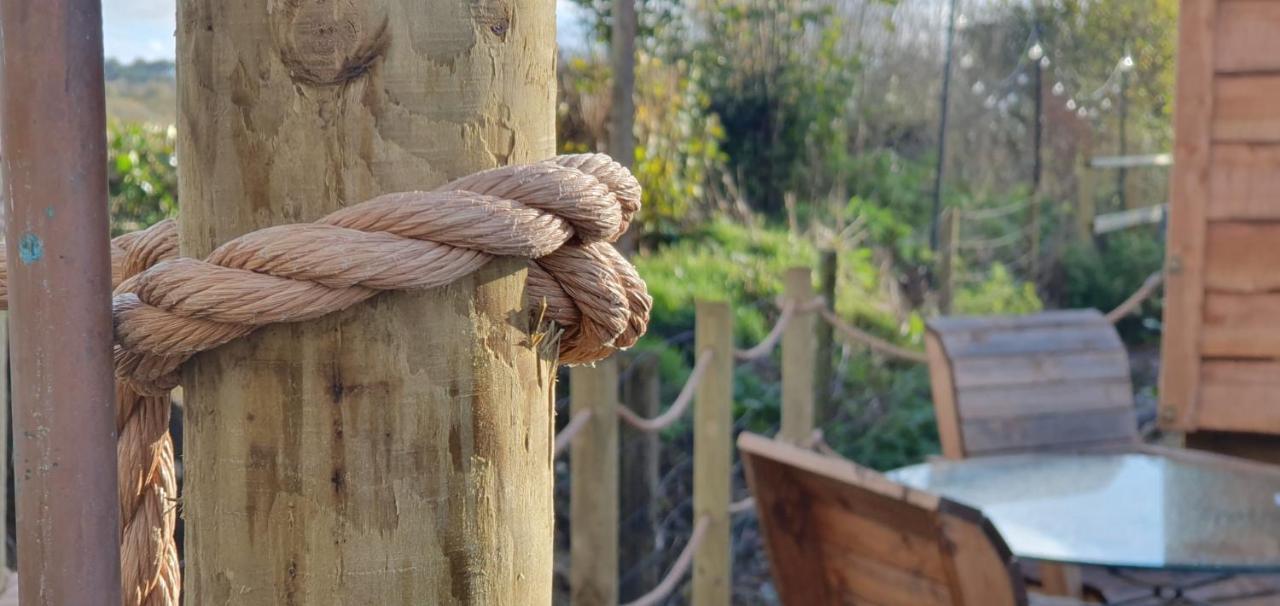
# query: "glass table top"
{"type": "Point", "coordinates": [1124, 510]}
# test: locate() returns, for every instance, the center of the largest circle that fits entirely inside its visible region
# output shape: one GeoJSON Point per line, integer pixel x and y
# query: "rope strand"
{"type": "Point", "coordinates": [678, 408]}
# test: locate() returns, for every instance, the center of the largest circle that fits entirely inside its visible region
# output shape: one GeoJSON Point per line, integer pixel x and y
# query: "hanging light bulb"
{"type": "Point", "coordinates": [966, 61]}
{"type": "Point", "coordinates": [1058, 89]}
{"type": "Point", "coordinates": [1082, 113]}
{"type": "Point", "coordinates": [1023, 79]}
{"type": "Point", "coordinates": [962, 22]}
{"type": "Point", "coordinates": [1035, 52]}
{"type": "Point", "coordinates": [1045, 62]}
{"type": "Point", "coordinates": [1126, 63]}
{"type": "Point", "coordinates": [979, 87]}
{"type": "Point", "coordinates": [990, 102]}
{"type": "Point", "coordinates": [1071, 104]}
{"type": "Point", "coordinates": [1106, 104]}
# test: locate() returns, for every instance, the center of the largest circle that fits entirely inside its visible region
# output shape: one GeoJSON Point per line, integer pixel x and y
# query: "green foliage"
{"type": "Point", "coordinates": [142, 177]}
{"type": "Point", "coordinates": [678, 152]}
{"type": "Point", "coordinates": [998, 293]}
{"type": "Point", "coordinates": [678, 159]}
{"type": "Point", "coordinates": [885, 416]}
{"type": "Point", "coordinates": [1104, 277]}
{"type": "Point", "coordinates": [778, 79]}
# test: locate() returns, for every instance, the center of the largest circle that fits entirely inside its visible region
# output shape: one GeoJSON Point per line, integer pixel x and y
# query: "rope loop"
{"type": "Point", "coordinates": [561, 214]}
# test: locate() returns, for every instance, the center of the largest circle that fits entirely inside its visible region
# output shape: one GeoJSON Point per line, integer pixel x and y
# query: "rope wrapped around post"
{"type": "Point", "coordinates": [561, 214]}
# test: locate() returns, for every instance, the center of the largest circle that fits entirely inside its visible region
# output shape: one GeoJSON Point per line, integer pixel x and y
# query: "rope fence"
{"type": "Point", "coordinates": [794, 328]}
{"type": "Point", "coordinates": [677, 408]}
{"type": "Point", "coordinates": [672, 580]}
{"type": "Point", "coordinates": [1135, 300]}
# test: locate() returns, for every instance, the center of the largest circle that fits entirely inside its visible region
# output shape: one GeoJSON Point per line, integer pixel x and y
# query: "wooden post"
{"type": "Point", "coordinates": [713, 454]}
{"type": "Point", "coordinates": [1086, 203]}
{"type": "Point", "coordinates": [947, 259]}
{"type": "Point", "coordinates": [399, 451]}
{"type": "Point", "coordinates": [797, 360]}
{"type": "Point", "coordinates": [4, 447]}
{"type": "Point", "coordinates": [638, 453]}
{"type": "Point", "coordinates": [824, 369]}
{"type": "Point", "coordinates": [593, 485]}
{"type": "Point", "coordinates": [1033, 234]}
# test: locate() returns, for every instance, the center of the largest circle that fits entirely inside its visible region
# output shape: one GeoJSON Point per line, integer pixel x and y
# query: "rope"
{"type": "Point", "coordinates": [571, 430]}
{"type": "Point", "coordinates": [678, 570]}
{"type": "Point", "coordinates": [765, 347]}
{"type": "Point", "coordinates": [872, 341]}
{"type": "Point", "coordinates": [983, 214]}
{"type": "Point", "coordinates": [677, 408]}
{"type": "Point", "coordinates": [561, 214]}
{"type": "Point", "coordinates": [991, 243]}
{"type": "Point", "coordinates": [1136, 299]}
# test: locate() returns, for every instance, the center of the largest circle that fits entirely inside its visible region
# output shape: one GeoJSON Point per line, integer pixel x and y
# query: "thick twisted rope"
{"type": "Point", "coordinates": [561, 214]}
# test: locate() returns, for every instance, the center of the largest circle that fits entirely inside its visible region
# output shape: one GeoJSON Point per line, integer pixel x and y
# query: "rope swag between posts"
{"type": "Point", "coordinates": [562, 214]}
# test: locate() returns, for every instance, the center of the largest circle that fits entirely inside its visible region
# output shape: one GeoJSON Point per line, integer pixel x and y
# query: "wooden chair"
{"type": "Point", "coordinates": [1056, 380]}
{"type": "Point", "coordinates": [840, 534]}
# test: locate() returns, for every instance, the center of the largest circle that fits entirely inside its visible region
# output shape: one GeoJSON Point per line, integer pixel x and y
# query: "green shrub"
{"type": "Point", "coordinates": [142, 175]}
{"type": "Point", "coordinates": [1105, 276]}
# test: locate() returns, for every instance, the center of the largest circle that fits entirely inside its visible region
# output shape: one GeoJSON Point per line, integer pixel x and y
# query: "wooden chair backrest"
{"type": "Point", "coordinates": [1056, 380]}
{"type": "Point", "coordinates": [838, 533]}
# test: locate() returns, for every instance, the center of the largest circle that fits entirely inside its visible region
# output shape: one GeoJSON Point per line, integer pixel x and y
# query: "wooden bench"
{"type": "Point", "coordinates": [841, 534]}
{"type": "Point", "coordinates": [1057, 380]}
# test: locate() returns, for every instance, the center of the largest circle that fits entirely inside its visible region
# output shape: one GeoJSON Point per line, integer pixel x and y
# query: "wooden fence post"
{"type": "Point", "coordinates": [713, 454]}
{"type": "Point", "coordinates": [398, 451]}
{"type": "Point", "coordinates": [949, 240]}
{"type": "Point", "coordinates": [593, 483]}
{"type": "Point", "coordinates": [798, 360]}
{"type": "Point", "coordinates": [824, 369]}
{"type": "Point", "coordinates": [1086, 203]}
{"type": "Point", "coordinates": [638, 453]}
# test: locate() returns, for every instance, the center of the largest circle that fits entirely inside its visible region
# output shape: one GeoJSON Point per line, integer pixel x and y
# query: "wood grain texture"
{"type": "Point", "coordinates": [713, 454]}
{"type": "Point", "coordinates": [1242, 257]}
{"type": "Point", "coordinates": [1049, 381]}
{"type": "Point", "coordinates": [1241, 395]}
{"type": "Point", "coordinates": [1189, 195]}
{"type": "Point", "coordinates": [593, 500]}
{"type": "Point", "coordinates": [838, 533]}
{"type": "Point", "coordinates": [798, 357]}
{"type": "Point", "coordinates": [1244, 182]}
{"type": "Point", "coordinates": [1248, 36]}
{"type": "Point", "coordinates": [942, 386]}
{"type": "Point", "coordinates": [398, 452]}
{"type": "Point", "coordinates": [1244, 108]}
{"type": "Point", "coordinates": [1241, 325]}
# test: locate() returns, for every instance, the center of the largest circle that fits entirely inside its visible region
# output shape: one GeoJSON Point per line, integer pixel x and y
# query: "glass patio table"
{"type": "Point", "coordinates": [1172, 511]}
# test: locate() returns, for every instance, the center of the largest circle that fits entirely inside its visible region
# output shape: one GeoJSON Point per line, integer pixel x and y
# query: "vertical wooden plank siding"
{"type": "Point", "coordinates": [798, 360]}
{"type": "Point", "coordinates": [1184, 290]}
{"type": "Point", "coordinates": [593, 501]}
{"type": "Point", "coordinates": [712, 454]}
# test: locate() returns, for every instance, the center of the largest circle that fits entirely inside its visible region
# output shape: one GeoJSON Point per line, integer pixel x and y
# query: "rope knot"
{"type": "Point", "coordinates": [561, 214]}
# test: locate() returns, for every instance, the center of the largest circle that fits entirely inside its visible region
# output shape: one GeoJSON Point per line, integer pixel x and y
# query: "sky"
{"type": "Point", "coordinates": [143, 29]}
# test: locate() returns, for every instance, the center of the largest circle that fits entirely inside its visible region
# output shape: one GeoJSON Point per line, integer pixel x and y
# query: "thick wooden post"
{"type": "Point", "coordinates": [797, 360]}
{"type": "Point", "coordinates": [398, 452]}
{"type": "Point", "coordinates": [824, 368]}
{"type": "Point", "coordinates": [638, 453]}
{"type": "Point", "coordinates": [713, 454]}
{"type": "Point", "coordinates": [593, 484]}
{"type": "Point", "coordinates": [947, 245]}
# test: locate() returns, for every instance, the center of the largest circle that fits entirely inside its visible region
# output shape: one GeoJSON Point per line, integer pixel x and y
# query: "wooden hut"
{"type": "Point", "coordinates": [1220, 380]}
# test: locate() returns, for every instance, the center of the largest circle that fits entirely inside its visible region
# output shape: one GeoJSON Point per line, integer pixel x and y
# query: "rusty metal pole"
{"type": "Point", "coordinates": [53, 149]}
